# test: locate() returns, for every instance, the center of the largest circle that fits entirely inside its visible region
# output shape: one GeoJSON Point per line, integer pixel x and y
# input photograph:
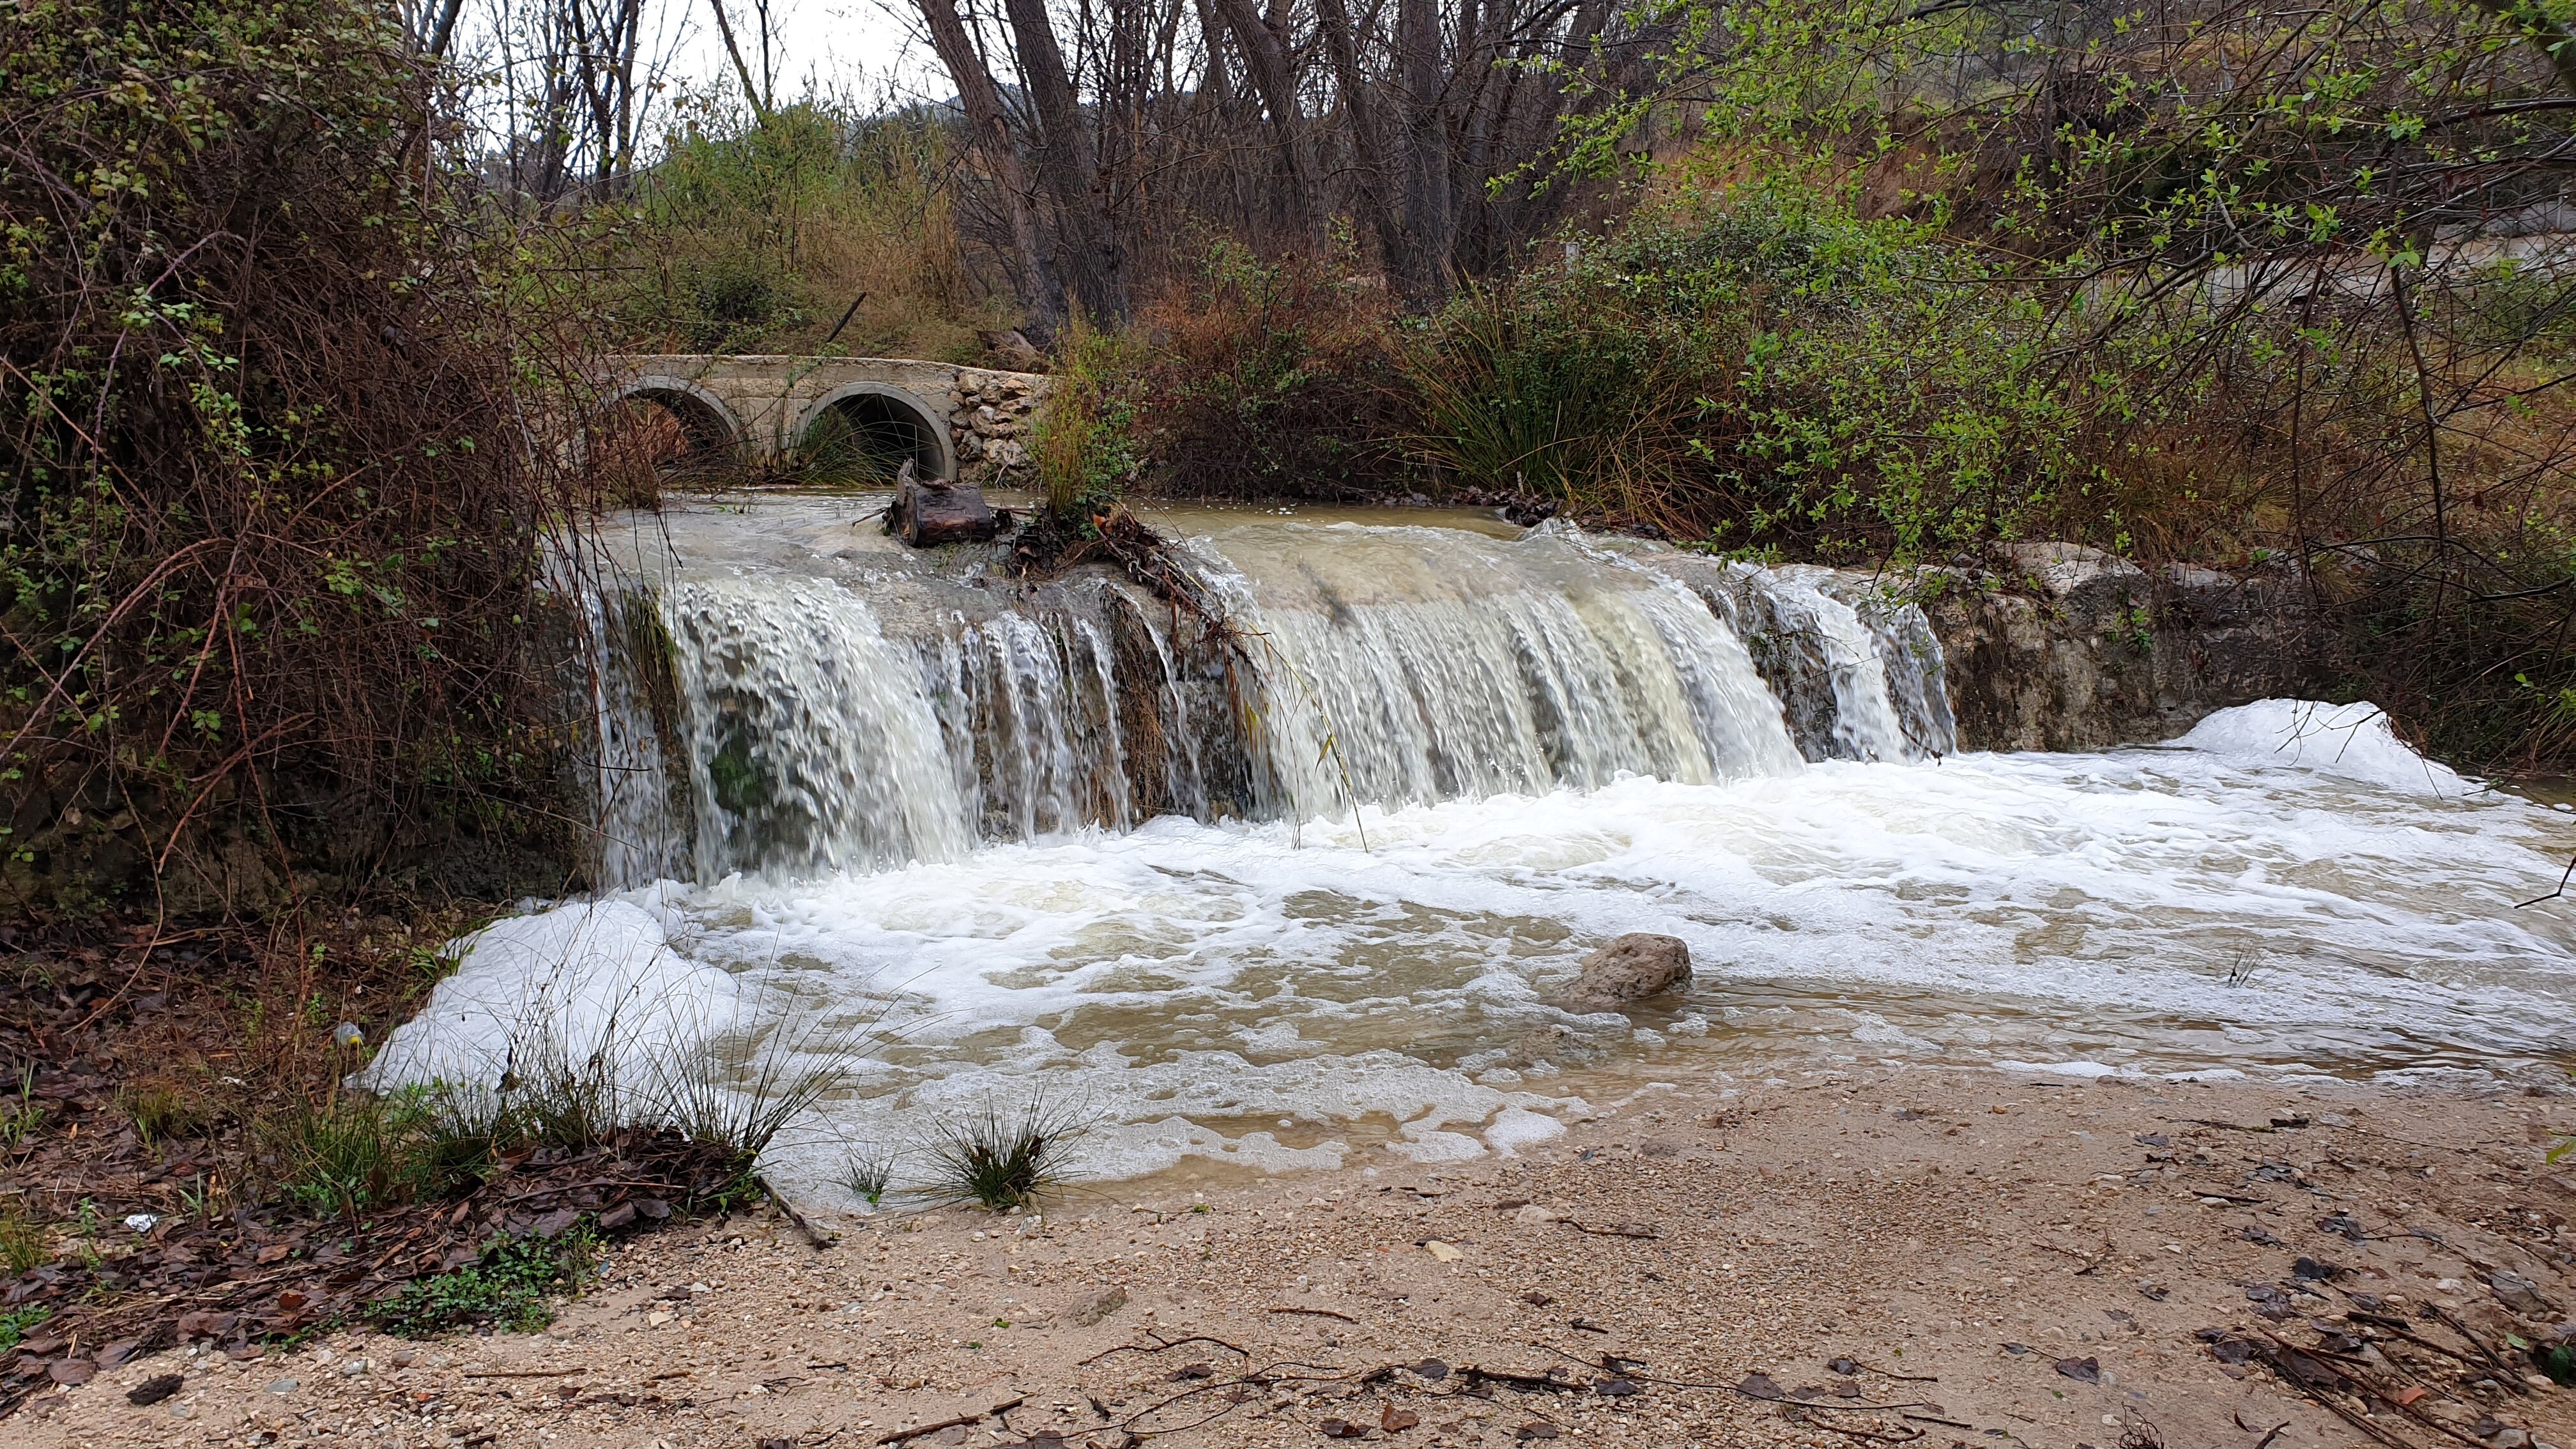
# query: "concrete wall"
{"type": "Point", "coordinates": [764, 404]}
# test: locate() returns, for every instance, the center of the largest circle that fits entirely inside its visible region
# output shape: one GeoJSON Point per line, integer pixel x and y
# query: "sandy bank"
{"type": "Point", "coordinates": [1837, 1260]}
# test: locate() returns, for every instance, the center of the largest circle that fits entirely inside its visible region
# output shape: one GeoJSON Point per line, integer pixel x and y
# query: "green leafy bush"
{"type": "Point", "coordinates": [1084, 446]}
{"type": "Point", "coordinates": [269, 527]}
{"type": "Point", "coordinates": [15, 1322]}
{"type": "Point", "coordinates": [512, 1288]}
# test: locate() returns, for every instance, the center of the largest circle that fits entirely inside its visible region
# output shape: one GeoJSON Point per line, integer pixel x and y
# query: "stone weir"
{"type": "Point", "coordinates": [781, 690]}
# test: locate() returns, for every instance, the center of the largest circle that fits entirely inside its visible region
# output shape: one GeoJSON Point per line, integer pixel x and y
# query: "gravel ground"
{"type": "Point", "coordinates": [1840, 1260]}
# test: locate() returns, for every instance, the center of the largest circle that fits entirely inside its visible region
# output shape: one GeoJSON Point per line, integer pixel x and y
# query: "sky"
{"type": "Point", "coordinates": [864, 50]}
{"type": "Point", "coordinates": [860, 45]}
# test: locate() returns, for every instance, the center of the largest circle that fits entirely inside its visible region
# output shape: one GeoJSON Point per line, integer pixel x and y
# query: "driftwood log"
{"type": "Point", "coordinates": [928, 511]}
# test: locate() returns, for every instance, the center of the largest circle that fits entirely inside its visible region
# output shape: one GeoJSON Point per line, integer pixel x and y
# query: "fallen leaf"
{"type": "Point", "coordinates": [2082, 1370]}
{"type": "Point", "coordinates": [1342, 1429]}
{"type": "Point", "coordinates": [71, 1371]}
{"type": "Point", "coordinates": [153, 1390]}
{"type": "Point", "coordinates": [273, 1253]}
{"type": "Point", "coordinates": [1759, 1386]}
{"type": "Point", "coordinates": [2407, 1396]}
{"type": "Point", "coordinates": [1396, 1421]}
{"type": "Point", "coordinates": [1537, 1431]}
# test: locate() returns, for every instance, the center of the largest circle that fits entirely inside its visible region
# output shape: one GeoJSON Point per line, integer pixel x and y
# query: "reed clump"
{"type": "Point", "coordinates": [1002, 1157]}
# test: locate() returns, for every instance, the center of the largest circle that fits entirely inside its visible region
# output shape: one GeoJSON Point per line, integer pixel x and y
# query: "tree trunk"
{"type": "Point", "coordinates": [1368, 143]}
{"type": "Point", "coordinates": [1265, 55]}
{"type": "Point", "coordinates": [1428, 228]}
{"type": "Point", "coordinates": [1033, 274]}
{"type": "Point", "coordinates": [926, 514]}
{"type": "Point", "coordinates": [1090, 260]}
{"type": "Point", "coordinates": [751, 92]}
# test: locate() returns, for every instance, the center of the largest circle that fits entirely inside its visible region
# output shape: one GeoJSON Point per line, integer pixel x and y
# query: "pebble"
{"type": "Point", "coordinates": [284, 1386]}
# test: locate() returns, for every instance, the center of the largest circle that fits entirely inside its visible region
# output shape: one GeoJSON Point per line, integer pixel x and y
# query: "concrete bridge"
{"type": "Point", "coordinates": [950, 421]}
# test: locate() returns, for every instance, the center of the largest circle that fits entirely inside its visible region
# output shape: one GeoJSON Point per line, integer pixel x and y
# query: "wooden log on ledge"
{"type": "Point", "coordinates": [931, 511]}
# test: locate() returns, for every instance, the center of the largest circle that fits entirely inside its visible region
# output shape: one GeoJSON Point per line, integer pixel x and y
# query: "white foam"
{"type": "Point", "coordinates": [2168, 910]}
{"type": "Point", "coordinates": [1517, 1127]}
{"type": "Point", "coordinates": [2089, 1071]}
{"type": "Point", "coordinates": [2353, 741]}
{"type": "Point", "coordinates": [591, 980]}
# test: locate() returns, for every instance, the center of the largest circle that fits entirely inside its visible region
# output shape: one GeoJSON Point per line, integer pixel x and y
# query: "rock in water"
{"type": "Point", "coordinates": [1629, 969]}
{"type": "Point", "coordinates": [928, 511]}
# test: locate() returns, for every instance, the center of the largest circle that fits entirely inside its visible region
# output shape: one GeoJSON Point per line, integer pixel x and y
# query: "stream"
{"type": "Point", "coordinates": [1302, 902]}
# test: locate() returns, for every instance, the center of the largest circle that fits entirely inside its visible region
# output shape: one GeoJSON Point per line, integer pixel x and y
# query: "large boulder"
{"type": "Point", "coordinates": [1628, 970]}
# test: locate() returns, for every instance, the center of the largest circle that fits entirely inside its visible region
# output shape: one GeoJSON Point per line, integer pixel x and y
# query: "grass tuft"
{"type": "Point", "coordinates": [867, 1172]}
{"type": "Point", "coordinates": [163, 1110]}
{"type": "Point", "coordinates": [21, 1117]}
{"type": "Point", "coordinates": [1004, 1160]}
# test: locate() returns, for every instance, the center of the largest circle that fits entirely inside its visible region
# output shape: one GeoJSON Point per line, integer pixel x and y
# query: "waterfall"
{"type": "Point", "coordinates": [812, 746]}
{"type": "Point", "coordinates": [1857, 671]}
{"type": "Point", "coordinates": [1406, 665]}
{"type": "Point", "coordinates": [786, 715]}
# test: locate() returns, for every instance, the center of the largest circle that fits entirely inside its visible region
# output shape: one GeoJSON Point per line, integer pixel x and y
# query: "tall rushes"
{"type": "Point", "coordinates": [1578, 406]}
{"type": "Point", "coordinates": [748, 1090]}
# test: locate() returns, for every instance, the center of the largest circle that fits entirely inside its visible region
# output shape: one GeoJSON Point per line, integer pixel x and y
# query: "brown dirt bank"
{"type": "Point", "coordinates": [1993, 1258]}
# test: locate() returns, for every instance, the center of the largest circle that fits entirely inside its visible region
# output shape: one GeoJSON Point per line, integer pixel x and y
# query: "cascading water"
{"type": "Point", "coordinates": [1277, 898]}
{"type": "Point", "coordinates": [1402, 666]}
{"type": "Point", "coordinates": [811, 745]}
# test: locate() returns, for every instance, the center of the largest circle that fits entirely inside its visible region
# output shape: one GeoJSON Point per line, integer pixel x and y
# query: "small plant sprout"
{"type": "Point", "coordinates": [21, 1118]}
{"type": "Point", "coordinates": [1004, 1160]}
{"type": "Point", "coordinates": [23, 1241]}
{"type": "Point", "coordinates": [867, 1171]}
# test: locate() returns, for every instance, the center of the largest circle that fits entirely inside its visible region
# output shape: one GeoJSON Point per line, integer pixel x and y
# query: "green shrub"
{"type": "Point", "coordinates": [512, 1288]}
{"type": "Point", "coordinates": [1758, 368]}
{"type": "Point", "coordinates": [14, 1323]}
{"type": "Point", "coordinates": [1084, 446]}
{"type": "Point", "coordinates": [269, 523]}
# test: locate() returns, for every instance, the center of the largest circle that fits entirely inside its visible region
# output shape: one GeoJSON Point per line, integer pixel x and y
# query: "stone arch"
{"type": "Point", "coordinates": [704, 419]}
{"type": "Point", "coordinates": [887, 423]}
